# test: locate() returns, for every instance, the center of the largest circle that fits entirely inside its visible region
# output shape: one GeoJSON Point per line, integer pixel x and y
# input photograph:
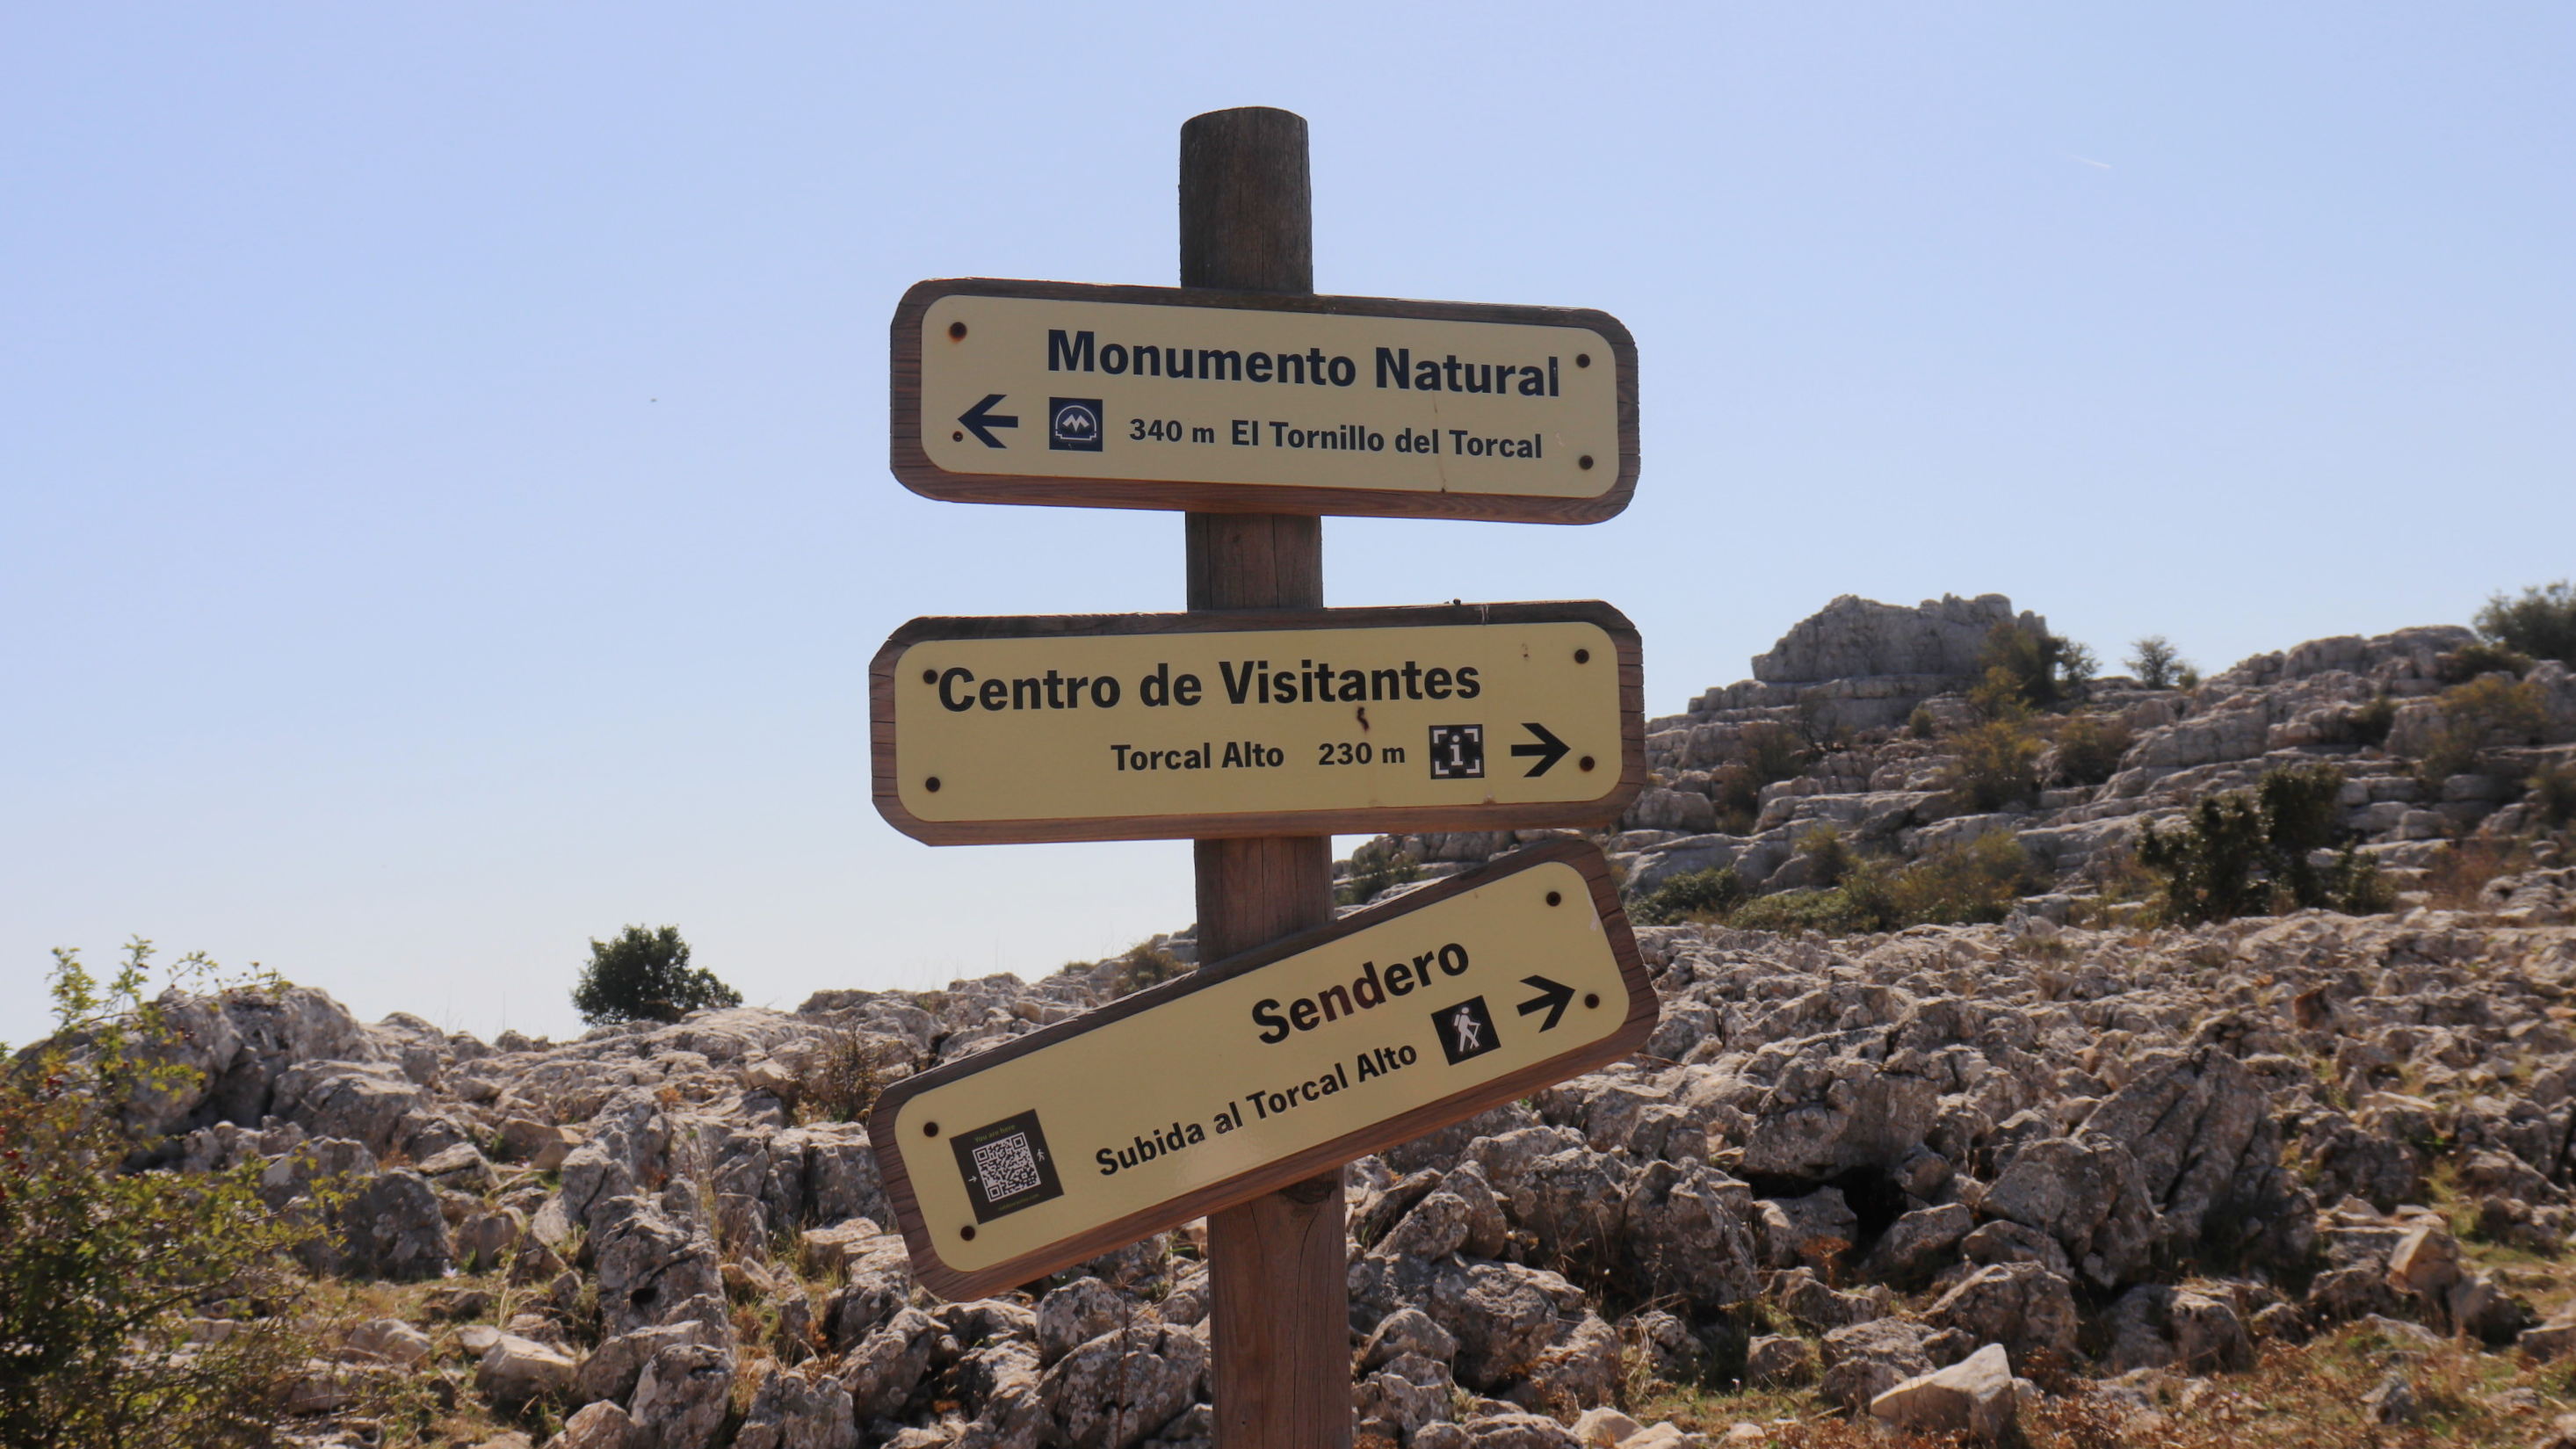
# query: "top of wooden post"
{"type": "Point", "coordinates": [1247, 206]}
{"type": "Point", "coordinates": [1248, 224]}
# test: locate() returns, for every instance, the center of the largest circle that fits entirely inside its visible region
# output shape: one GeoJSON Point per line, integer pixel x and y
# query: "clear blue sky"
{"type": "Point", "coordinates": [443, 504]}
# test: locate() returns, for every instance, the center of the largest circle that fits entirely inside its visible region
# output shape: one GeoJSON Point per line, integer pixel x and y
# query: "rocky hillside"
{"type": "Point", "coordinates": [1853, 722]}
{"type": "Point", "coordinates": [2068, 1176]}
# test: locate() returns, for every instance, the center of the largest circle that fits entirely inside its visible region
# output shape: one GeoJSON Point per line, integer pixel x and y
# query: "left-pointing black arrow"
{"type": "Point", "coordinates": [981, 419]}
{"type": "Point", "coordinates": [1549, 748]}
{"type": "Point", "coordinates": [1553, 997]}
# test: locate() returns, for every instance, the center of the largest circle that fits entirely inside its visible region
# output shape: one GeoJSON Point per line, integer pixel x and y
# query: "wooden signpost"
{"type": "Point", "coordinates": [1257, 402]}
{"type": "Point", "coordinates": [1463, 717]}
{"type": "Point", "coordinates": [1261, 1070]}
{"type": "Point", "coordinates": [1255, 724]}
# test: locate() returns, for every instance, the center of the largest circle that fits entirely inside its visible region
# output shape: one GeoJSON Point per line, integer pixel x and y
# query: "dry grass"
{"type": "Point", "coordinates": [2455, 878]}
{"type": "Point", "coordinates": [1713, 1412]}
{"type": "Point", "coordinates": [2311, 1397]}
{"type": "Point", "coordinates": [2297, 1397]}
{"type": "Point", "coordinates": [412, 1414]}
{"type": "Point", "coordinates": [845, 1077]}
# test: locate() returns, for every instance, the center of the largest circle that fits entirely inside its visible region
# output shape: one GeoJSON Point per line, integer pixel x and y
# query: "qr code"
{"type": "Point", "coordinates": [1006, 1167]}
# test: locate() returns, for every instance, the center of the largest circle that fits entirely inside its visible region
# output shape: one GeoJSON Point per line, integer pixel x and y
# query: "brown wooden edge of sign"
{"type": "Point", "coordinates": [1630, 1036]}
{"type": "Point", "coordinates": [914, 468]}
{"type": "Point", "coordinates": [1355, 820]}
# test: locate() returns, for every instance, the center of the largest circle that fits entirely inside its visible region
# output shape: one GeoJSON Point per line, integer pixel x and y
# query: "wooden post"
{"type": "Point", "coordinates": [1281, 1311]}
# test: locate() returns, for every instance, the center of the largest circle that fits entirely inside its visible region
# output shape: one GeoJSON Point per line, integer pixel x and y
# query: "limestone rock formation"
{"type": "Point", "coordinates": [1903, 1175]}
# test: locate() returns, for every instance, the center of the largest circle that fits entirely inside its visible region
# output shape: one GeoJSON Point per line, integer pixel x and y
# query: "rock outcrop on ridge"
{"type": "Point", "coordinates": [1879, 770]}
{"type": "Point", "coordinates": [1909, 1178]}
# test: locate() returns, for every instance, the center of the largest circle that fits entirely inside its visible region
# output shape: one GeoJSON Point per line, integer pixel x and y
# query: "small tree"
{"type": "Point", "coordinates": [2157, 663]}
{"type": "Point", "coordinates": [2212, 866]}
{"type": "Point", "coordinates": [102, 1267]}
{"type": "Point", "coordinates": [2540, 623]}
{"type": "Point", "coordinates": [2300, 810]}
{"type": "Point", "coordinates": [645, 976]}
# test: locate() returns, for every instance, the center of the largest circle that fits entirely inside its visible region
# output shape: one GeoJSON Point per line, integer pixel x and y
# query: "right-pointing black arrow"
{"type": "Point", "coordinates": [981, 419]}
{"type": "Point", "coordinates": [1553, 997]}
{"type": "Point", "coordinates": [1549, 748]}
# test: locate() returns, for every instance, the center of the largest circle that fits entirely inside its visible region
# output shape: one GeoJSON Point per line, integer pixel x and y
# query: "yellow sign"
{"type": "Point", "coordinates": [1262, 1071]}
{"type": "Point", "coordinates": [1310, 722]}
{"type": "Point", "coordinates": [1152, 397]}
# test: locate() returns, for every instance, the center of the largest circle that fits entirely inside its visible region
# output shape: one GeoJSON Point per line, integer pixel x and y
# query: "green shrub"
{"type": "Point", "coordinates": [1998, 695]}
{"type": "Point", "coordinates": [1994, 764]}
{"type": "Point", "coordinates": [1147, 965]}
{"type": "Point", "coordinates": [1946, 888]}
{"type": "Point", "coordinates": [2301, 808]}
{"type": "Point", "coordinates": [2245, 853]}
{"type": "Point", "coordinates": [2512, 708]}
{"type": "Point", "coordinates": [1767, 754]}
{"type": "Point", "coordinates": [2155, 662]}
{"type": "Point", "coordinates": [2471, 660]}
{"type": "Point", "coordinates": [2454, 751]}
{"type": "Point", "coordinates": [101, 1268]}
{"type": "Point", "coordinates": [1830, 911]}
{"type": "Point", "coordinates": [1701, 894]}
{"type": "Point", "coordinates": [1773, 753]}
{"type": "Point", "coordinates": [1376, 865]}
{"type": "Point", "coordinates": [2541, 622]}
{"type": "Point", "coordinates": [2553, 794]}
{"type": "Point", "coordinates": [2369, 724]}
{"type": "Point", "coordinates": [1737, 798]}
{"type": "Point", "coordinates": [1955, 885]}
{"type": "Point", "coordinates": [2476, 714]}
{"type": "Point", "coordinates": [2021, 668]}
{"type": "Point", "coordinates": [2089, 748]}
{"type": "Point", "coordinates": [645, 976]}
{"type": "Point", "coordinates": [1828, 859]}
{"type": "Point", "coordinates": [1920, 724]}
{"type": "Point", "coordinates": [1960, 885]}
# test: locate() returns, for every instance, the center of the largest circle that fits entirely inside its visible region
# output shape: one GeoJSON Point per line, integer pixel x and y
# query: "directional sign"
{"type": "Point", "coordinates": [1262, 1070]}
{"type": "Point", "coordinates": [1303, 722]}
{"type": "Point", "coordinates": [1257, 402]}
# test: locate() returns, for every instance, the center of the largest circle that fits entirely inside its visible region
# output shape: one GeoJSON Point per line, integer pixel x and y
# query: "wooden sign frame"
{"type": "Point", "coordinates": [914, 468]}
{"type": "Point", "coordinates": [1365, 820]}
{"type": "Point", "coordinates": [1629, 1036]}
